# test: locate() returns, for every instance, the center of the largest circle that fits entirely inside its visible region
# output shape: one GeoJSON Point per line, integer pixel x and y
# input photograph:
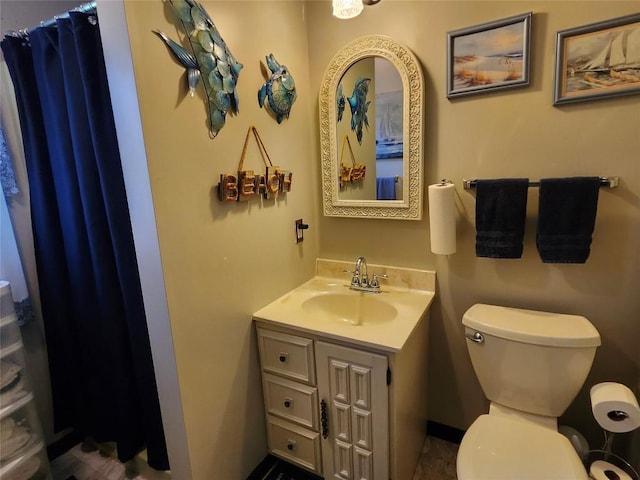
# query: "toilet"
{"type": "Point", "coordinates": [531, 366]}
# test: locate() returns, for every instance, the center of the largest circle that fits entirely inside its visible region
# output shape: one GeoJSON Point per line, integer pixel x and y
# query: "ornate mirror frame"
{"type": "Point", "coordinates": [410, 207]}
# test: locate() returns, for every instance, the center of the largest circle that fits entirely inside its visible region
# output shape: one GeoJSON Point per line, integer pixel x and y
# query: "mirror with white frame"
{"type": "Point", "coordinates": [371, 131]}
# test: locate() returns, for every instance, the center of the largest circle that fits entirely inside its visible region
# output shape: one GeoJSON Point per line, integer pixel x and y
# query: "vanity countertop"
{"type": "Point", "coordinates": [326, 306]}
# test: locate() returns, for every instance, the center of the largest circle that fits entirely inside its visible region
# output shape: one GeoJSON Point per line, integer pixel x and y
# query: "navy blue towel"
{"type": "Point", "coordinates": [501, 210]}
{"type": "Point", "coordinates": [567, 216]}
{"type": "Point", "coordinates": [386, 188]}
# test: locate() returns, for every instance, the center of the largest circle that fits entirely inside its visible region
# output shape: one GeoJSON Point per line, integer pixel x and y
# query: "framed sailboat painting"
{"type": "Point", "coordinates": [599, 60]}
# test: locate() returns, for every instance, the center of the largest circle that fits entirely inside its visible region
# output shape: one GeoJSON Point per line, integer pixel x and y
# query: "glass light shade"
{"type": "Point", "coordinates": [347, 8]}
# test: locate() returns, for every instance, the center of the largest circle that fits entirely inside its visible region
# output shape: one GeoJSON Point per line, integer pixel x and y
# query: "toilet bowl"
{"type": "Point", "coordinates": [499, 448]}
{"type": "Point", "coordinates": [531, 366]}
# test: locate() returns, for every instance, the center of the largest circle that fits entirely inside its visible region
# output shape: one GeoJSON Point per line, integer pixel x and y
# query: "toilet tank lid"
{"type": "Point", "coordinates": [532, 326]}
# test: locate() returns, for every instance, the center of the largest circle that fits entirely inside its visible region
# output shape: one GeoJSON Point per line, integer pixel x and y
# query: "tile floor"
{"type": "Point", "coordinates": [438, 462]}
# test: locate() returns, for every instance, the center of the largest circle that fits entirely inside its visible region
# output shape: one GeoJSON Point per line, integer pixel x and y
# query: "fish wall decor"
{"type": "Point", "coordinates": [359, 106]}
{"type": "Point", "coordinates": [209, 61]}
{"type": "Point", "coordinates": [279, 90]}
{"type": "Point", "coordinates": [340, 103]}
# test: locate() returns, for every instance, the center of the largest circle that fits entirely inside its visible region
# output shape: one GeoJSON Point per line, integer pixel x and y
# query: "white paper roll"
{"type": "Point", "coordinates": [601, 470]}
{"type": "Point", "coordinates": [615, 407]}
{"type": "Point", "coordinates": [442, 218]}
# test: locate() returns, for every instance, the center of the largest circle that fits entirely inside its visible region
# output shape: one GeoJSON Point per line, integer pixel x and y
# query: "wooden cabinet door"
{"type": "Point", "coordinates": [354, 399]}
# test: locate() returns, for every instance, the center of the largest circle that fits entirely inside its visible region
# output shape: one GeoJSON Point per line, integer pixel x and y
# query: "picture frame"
{"type": "Point", "coordinates": [389, 131]}
{"type": "Point", "coordinates": [489, 57]}
{"type": "Point", "coordinates": [596, 61]}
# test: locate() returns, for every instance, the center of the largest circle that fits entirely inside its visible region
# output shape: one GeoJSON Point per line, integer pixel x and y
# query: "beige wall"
{"type": "Point", "coordinates": [510, 133]}
{"type": "Point", "coordinates": [223, 261]}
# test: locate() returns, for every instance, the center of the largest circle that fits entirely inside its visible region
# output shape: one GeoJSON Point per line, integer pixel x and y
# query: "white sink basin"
{"type": "Point", "coordinates": [353, 308]}
{"type": "Point", "coordinates": [327, 307]}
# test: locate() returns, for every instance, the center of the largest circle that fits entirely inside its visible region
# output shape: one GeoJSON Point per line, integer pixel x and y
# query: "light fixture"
{"type": "Point", "coordinates": [350, 8]}
{"type": "Point", "coordinates": [347, 8]}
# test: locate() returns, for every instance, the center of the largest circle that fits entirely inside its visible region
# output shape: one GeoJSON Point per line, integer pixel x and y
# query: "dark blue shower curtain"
{"type": "Point", "coordinates": [100, 361]}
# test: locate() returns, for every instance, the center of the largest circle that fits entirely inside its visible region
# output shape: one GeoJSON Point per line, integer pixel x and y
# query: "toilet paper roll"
{"type": "Point", "coordinates": [601, 470]}
{"type": "Point", "coordinates": [615, 407]}
{"type": "Point", "coordinates": [442, 218]}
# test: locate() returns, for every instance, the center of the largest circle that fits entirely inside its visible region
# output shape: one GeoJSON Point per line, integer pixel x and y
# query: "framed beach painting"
{"type": "Point", "coordinates": [599, 60]}
{"type": "Point", "coordinates": [488, 57]}
{"type": "Point", "coordinates": [389, 129]}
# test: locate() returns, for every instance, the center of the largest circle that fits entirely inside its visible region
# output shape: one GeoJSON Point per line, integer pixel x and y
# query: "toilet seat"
{"type": "Point", "coordinates": [502, 448]}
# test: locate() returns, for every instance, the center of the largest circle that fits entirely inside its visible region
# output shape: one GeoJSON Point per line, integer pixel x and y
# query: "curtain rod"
{"type": "Point", "coordinates": [84, 8]}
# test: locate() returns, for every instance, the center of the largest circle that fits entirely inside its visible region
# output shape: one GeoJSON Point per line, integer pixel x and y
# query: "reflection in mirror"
{"type": "Point", "coordinates": [371, 107]}
{"type": "Point", "coordinates": [374, 119]}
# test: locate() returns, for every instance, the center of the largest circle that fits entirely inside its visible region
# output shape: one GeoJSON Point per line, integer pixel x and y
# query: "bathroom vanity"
{"type": "Point", "coordinates": [344, 373]}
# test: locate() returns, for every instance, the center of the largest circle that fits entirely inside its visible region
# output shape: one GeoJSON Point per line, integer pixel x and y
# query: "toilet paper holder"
{"type": "Point", "coordinates": [608, 399]}
{"type": "Point", "coordinates": [615, 460]}
{"type": "Point", "coordinates": [615, 407]}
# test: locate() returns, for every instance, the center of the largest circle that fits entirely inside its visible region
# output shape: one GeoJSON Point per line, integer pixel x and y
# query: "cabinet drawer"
{"type": "Point", "coordinates": [294, 443]}
{"type": "Point", "coordinates": [287, 355]}
{"type": "Point", "coordinates": [293, 401]}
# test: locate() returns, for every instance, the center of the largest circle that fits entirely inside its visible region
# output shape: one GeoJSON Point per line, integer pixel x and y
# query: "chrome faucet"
{"type": "Point", "coordinates": [360, 279]}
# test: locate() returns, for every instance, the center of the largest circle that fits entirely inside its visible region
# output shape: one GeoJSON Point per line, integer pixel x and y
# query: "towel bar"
{"type": "Point", "coordinates": [611, 182]}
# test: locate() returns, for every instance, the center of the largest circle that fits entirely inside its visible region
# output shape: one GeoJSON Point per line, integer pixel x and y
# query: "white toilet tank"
{"type": "Point", "coordinates": [531, 361]}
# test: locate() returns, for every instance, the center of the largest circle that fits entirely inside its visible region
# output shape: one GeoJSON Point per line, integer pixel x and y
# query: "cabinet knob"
{"type": "Point", "coordinates": [283, 357]}
{"type": "Point", "coordinates": [288, 402]}
{"type": "Point", "coordinates": [291, 444]}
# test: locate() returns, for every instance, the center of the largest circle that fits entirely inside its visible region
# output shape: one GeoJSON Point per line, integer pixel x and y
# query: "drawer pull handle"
{"type": "Point", "coordinates": [283, 357]}
{"type": "Point", "coordinates": [324, 419]}
{"type": "Point", "coordinates": [288, 402]}
{"type": "Point", "coordinates": [291, 445]}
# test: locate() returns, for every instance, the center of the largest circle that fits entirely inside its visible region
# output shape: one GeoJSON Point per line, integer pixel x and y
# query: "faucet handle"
{"type": "Point", "coordinates": [355, 281]}
{"type": "Point", "coordinates": [374, 281]}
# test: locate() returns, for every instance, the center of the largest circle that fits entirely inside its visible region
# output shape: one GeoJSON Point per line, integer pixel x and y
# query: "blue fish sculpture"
{"type": "Point", "coordinates": [340, 103]}
{"type": "Point", "coordinates": [359, 106]}
{"type": "Point", "coordinates": [210, 61]}
{"type": "Point", "coordinates": [279, 91]}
